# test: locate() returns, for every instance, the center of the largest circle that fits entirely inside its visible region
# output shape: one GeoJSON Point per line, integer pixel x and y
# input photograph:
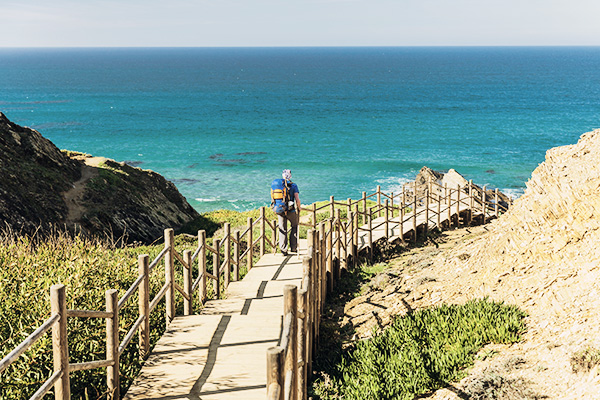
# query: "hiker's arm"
{"type": "Point", "coordinates": [297, 198]}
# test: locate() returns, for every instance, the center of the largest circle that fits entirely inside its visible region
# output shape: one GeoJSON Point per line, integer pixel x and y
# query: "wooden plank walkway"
{"type": "Point", "coordinates": [220, 353]}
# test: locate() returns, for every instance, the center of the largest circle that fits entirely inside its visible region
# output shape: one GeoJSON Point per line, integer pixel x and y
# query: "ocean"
{"type": "Point", "coordinates": [221, 123]}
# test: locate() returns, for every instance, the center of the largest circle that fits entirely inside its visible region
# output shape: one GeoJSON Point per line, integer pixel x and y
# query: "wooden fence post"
{"type": "Point", "coordinates": [401, 216]}
{"type": "Point", "coordinates": [427, 209]}
{"type": "Point", "coordinates": [250, 246]}
{"type": "Point", "coordinates": [483, 201]}
{"type": "Point", "coordinates": [144, 306]}
{"type": "Point", "coordinates": [227, 254]}
{"type": "Point", "coordinates": [316, 262]}
{"type": "Point", "coordinates": [355, 233]}
{"type": "Point", "coordinates": [263, 233]}
{"type": "Point", "coordinates": [202, 265]}
{"type": "Point", "coordinates": [217, 268]}
{"type": "Point", "coordinates": [338, 243]}
{"type": "Point", "coordinates": [170, 274]}
{"type": "Point", "coordinates": [392, 204]}
{"type": "Point", "coordinates": [290, 301]}
{"type": "Point", "coordinates": [329, 250]}
{"type": "Point", "coordinates": [236, 256]}
{"type": "Point", "coordinates": [302, 343]}
{"type": "Point", "coordinates": [60, 345]}
{"type": "Point", "coordinates": [332, 207]}
{"type": "Point", "coordinates": [314, 215]}
{"type": "Point", "coordinates": [496, 202]}
{"type": "Point", "coordinates": [323, 266]}
{"type": "Point", "coordinates": [364, 201]}
{"type": "Point", "coordinates": [275, 367]}
{"type": "Point", "coordinates": [112, 344]}
{"type": "Point", "coordinates": [448, 195]}
{"type": "Point", "coordinates": [415, 216]}
{"type": "Point", "coordinates": [370, 233]}
{"type": "Point", "coordinates": [470, 202]}
{"type": "Point", "coordinates": [387, 218]}
{"type": "Point", "coordinates": [378, 201]}
{"type": "Point", "coordinates": [350, 240]}
{"type": "Point", "coordinates": [187, 282]}
{"type": "Point", "coordinates": [457, 205]}
{"type": "Point", "coordinates": [439, 212]}
{"type": "Point", "coordinates": [349, 201]}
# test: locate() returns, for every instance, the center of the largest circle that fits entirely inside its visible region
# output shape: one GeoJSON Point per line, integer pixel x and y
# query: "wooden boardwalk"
{"type": "Point", "coordinates": [221, 352]}
{"type": "Point", "coordinates": [246, 346]}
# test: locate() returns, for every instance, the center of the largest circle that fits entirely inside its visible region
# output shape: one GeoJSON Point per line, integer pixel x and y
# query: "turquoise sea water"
{"type": "Point", "coordinates": [221, 123]}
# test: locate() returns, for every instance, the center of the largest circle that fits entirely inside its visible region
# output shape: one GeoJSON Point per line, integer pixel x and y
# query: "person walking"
{"type": "Point", "coordinates": [285, 201]}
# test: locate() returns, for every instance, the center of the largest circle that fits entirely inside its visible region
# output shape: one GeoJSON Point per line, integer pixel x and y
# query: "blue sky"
{"type": "Point", "coordinates": [41, 23]}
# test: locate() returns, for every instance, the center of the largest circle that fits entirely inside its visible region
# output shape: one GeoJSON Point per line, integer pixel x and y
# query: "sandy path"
{"type": "Point", "coordinates": [74, 197]}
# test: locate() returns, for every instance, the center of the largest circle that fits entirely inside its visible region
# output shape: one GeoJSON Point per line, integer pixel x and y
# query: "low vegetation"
{"type": "Point", "coordinates": [417, 354]}
{"type": "Point", "coordinates": [420, 351]}
{"type": "Point", "coordinates": [585, 360]}
{"type": "Point", "coordinates": [88, 267]}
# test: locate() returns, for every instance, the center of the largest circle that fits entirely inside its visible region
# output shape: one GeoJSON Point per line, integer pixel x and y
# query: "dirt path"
{"type": "Point", "coordinates": [74, 197]}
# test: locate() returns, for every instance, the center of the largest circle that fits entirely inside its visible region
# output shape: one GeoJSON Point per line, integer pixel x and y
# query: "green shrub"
{"type": "Point", "coordinates": [88, 268]}
{"type": "Point", "coordinates": [421, 351]}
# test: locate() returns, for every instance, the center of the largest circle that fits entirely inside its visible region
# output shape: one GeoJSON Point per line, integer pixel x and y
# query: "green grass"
{"type": "Point", "coordinates": [28, 267]}
{"type": "Point", "coordinates": [421, 351]}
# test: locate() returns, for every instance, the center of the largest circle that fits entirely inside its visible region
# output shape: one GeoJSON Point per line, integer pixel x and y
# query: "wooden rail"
{"type": "Point", "coordinates": [333, 247]}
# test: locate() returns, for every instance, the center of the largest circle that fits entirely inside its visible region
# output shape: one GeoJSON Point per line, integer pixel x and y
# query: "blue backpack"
{"type": "Point", "coordinates": [280, 196]}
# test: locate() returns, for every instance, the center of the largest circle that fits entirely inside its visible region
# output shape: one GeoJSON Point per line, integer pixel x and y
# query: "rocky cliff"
{"type": "Point", "coordinates": [42, 188]}
{"type": "Point", "coordinates": [543, 256]}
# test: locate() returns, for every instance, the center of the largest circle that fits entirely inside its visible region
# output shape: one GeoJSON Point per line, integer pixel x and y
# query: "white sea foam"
{"type": "Point", "coordinates": [514, 193]}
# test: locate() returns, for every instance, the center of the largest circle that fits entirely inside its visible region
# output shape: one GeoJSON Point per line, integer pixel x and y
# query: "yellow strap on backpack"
{"type": "Point", "coordinates": [278, 194]}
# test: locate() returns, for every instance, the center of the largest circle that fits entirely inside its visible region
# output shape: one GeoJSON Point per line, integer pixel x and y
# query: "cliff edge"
{"type": "Point", "coordinates": [543, 256]}
{"type": "Point", "coordinates": [44, 188]}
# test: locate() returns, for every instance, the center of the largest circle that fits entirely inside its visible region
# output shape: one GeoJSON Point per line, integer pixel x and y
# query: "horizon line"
{"type": "Point", "coordinates": [299, 46]}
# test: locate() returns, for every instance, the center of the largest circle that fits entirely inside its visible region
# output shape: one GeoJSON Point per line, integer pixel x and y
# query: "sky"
{"type": "Point", "coordinates": [224, 23]}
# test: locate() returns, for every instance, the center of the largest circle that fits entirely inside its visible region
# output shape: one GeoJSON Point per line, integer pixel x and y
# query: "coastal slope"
{"type": "Point", "coordinates": [543, 256]}
{"type": "Point", "coordinates": [43, 188]}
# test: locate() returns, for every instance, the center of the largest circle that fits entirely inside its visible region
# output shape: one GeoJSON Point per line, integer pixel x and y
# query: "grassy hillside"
{"type": "Point", "coordinates": [29, 266]}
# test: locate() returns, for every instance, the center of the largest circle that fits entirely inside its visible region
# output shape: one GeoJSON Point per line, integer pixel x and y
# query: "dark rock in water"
{"type": "Point", "coordinates": [235, 161]}
{"type": "Point", "coordinates": [216, 156]}
{"type": "Point", "coordinates": [43, 188]}
{"type": "Point", "coordinates": [490, 171]}
{"type": "Point", "coordinates": [251, 153]}
{"type": "Point", "coordinates": [133, 163]}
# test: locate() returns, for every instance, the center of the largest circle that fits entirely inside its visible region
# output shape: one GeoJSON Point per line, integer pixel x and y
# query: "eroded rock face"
{"type": "Point", "coordinates": [33, 174]}
{"type": "Point", "coordinates": [37, 184]}
{"type": "Point", "coordinates": [126, 200]}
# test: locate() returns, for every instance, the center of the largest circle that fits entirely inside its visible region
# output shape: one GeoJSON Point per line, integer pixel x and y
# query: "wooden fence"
{"type": "Point", "coordinates": [334, 245]}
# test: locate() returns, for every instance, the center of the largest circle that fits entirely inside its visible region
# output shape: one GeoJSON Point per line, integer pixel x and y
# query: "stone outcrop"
{"type": "Point", "coordinates": [44, 188]}
{"type": "Point", "coordinates": [452, 179]}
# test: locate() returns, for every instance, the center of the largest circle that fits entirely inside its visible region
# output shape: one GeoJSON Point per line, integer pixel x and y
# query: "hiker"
{"type": "Point", "coordinates": [285, 201]}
